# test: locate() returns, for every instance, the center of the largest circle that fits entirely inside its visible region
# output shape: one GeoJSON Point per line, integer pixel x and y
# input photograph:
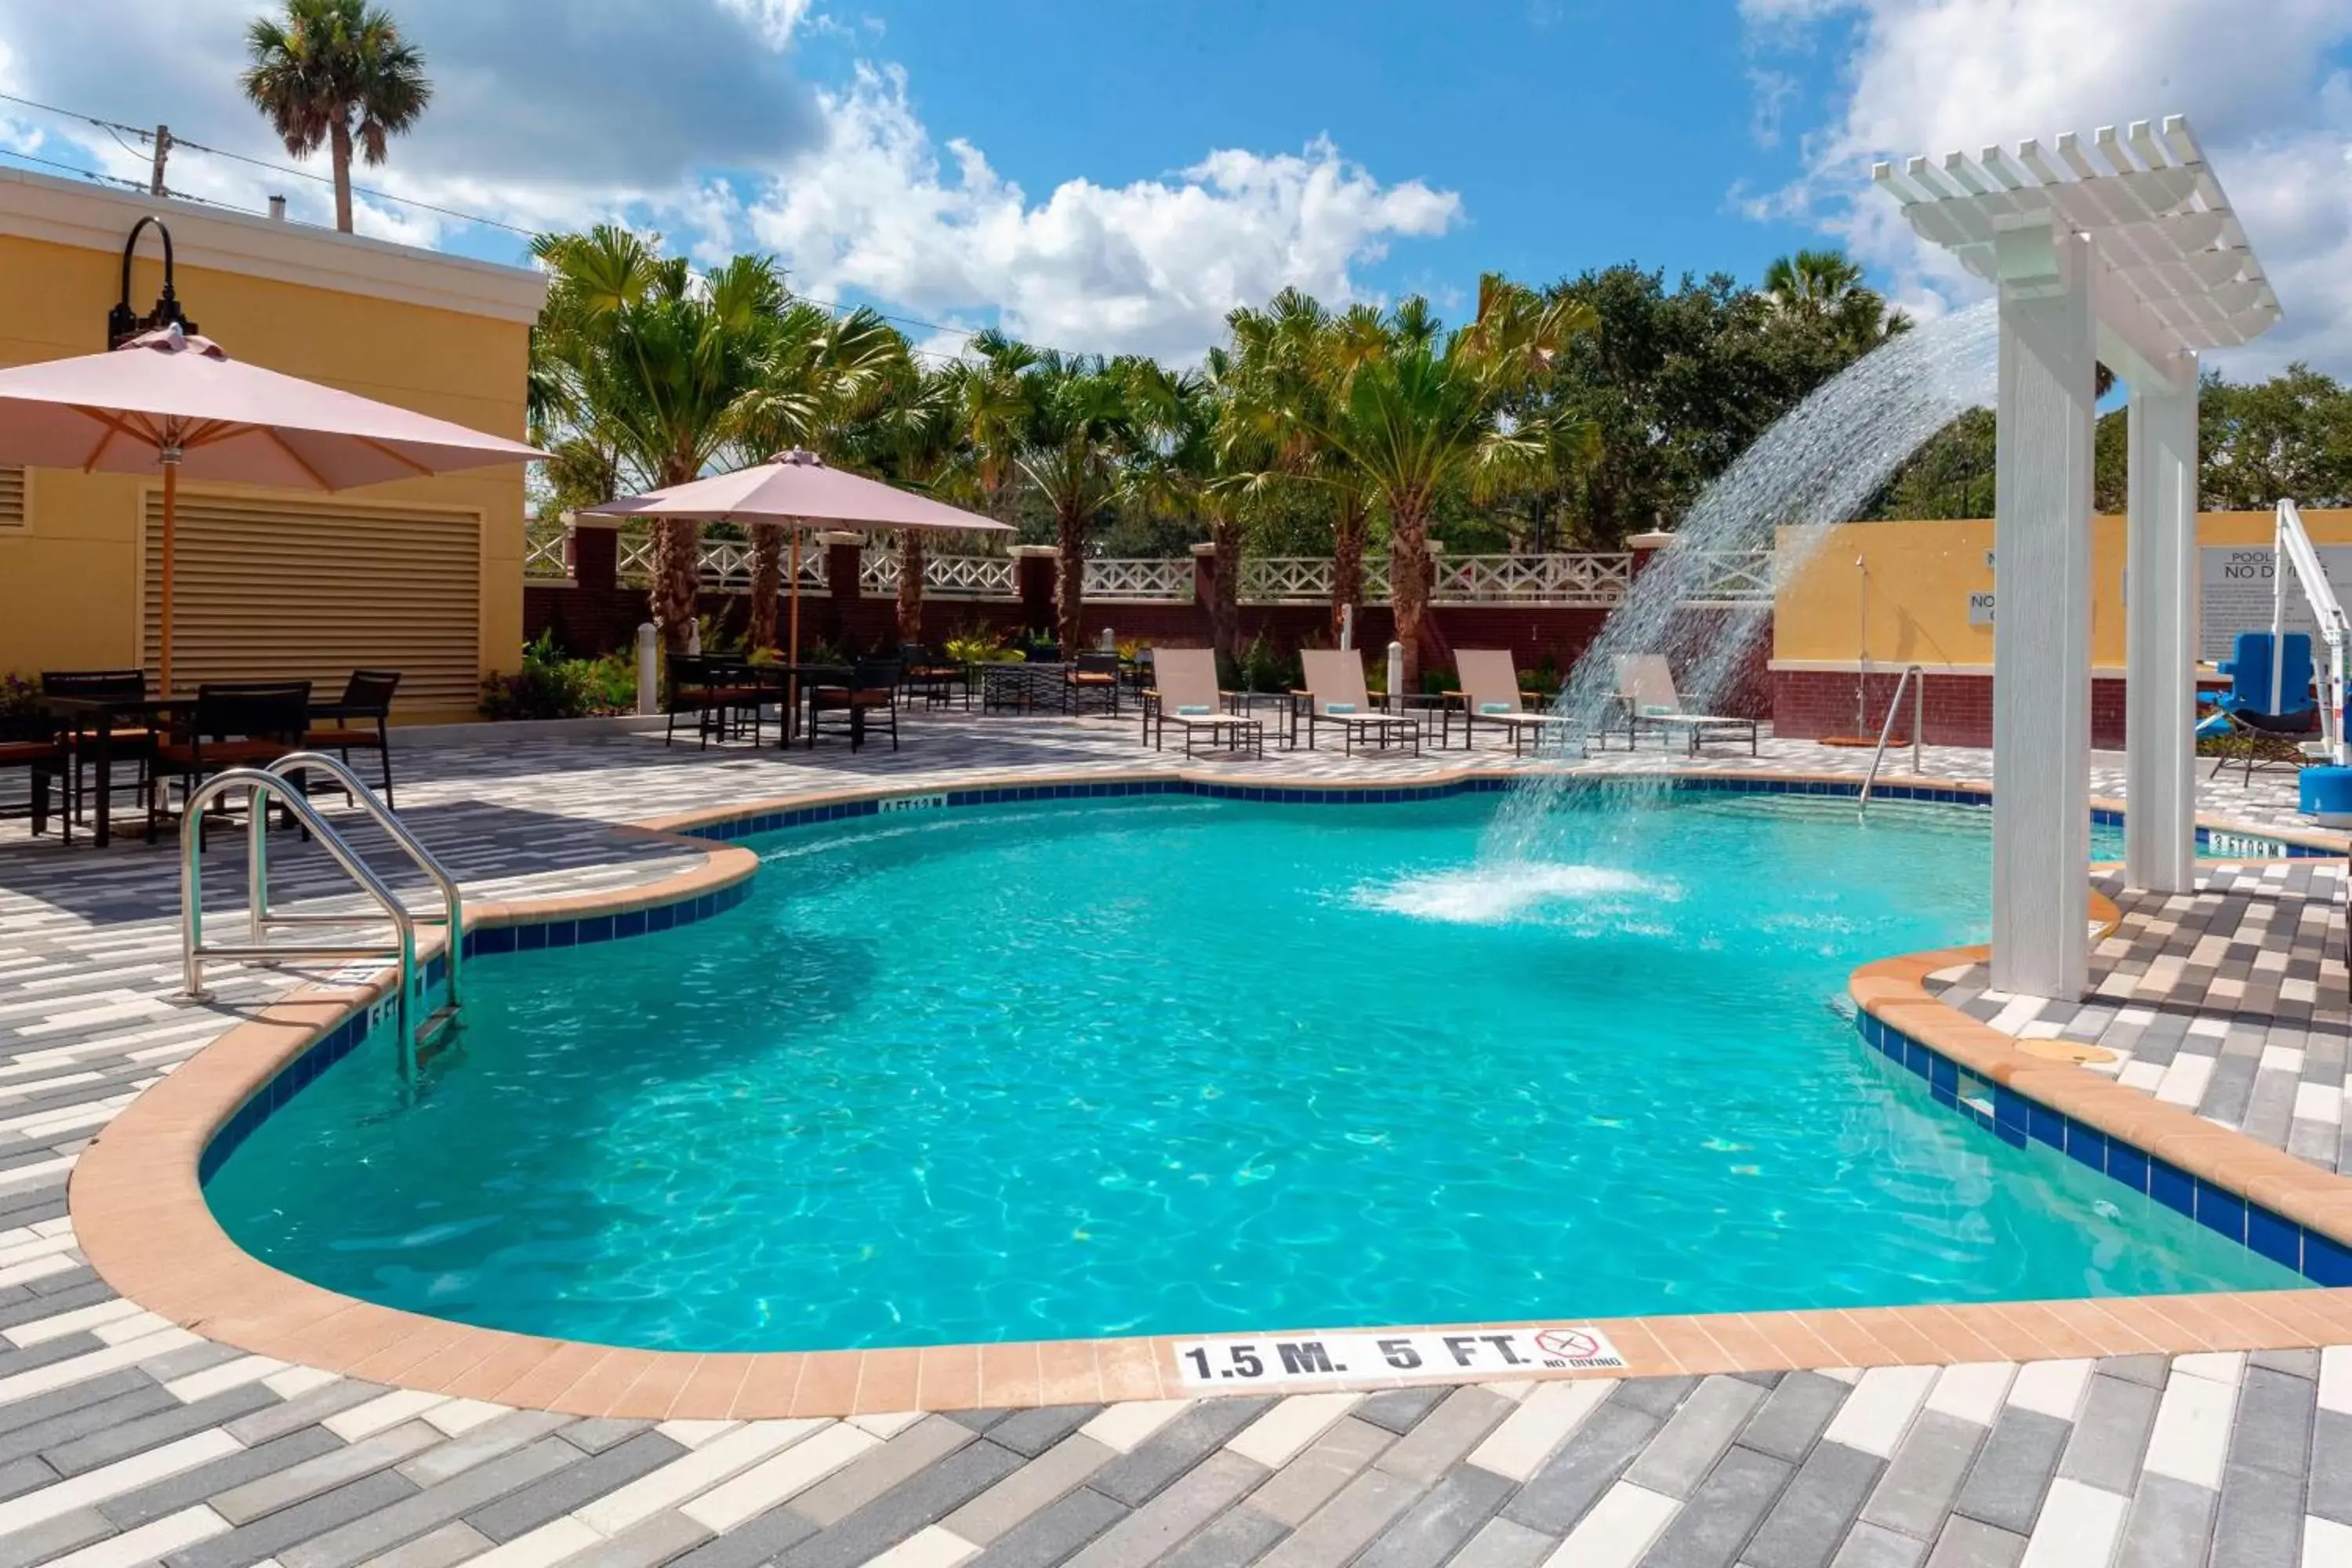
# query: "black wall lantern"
{"type": "Point", "coordinates": [122, 323]}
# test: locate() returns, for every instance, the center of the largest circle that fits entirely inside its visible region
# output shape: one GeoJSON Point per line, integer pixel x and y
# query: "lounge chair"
{"type": "Point", "coordinates": [1490, 695]}
{"type": "Point", "coordinates": [1645, 687]}
{"type": "Point", "coordinates": [1335, 695]}
{"type": "Point", "coordinates": [1183, 692]}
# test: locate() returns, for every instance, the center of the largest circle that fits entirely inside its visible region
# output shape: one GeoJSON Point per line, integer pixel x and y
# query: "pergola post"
{"type": "Point", "coordinates": [2160, 632]}
{"type": "Point", "coordinates": [2042, 635]}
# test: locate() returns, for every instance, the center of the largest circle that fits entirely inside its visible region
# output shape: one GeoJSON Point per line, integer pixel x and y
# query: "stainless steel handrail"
{"type": "Point", "coordinates": [453, 906]}
{"type": "Point", "coordinates": [1915, 679]}
{"type": "Point", "coordinates": [263, 787]}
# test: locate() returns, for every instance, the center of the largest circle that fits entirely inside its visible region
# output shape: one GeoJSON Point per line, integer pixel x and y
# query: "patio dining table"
{"type": "Point", "coordinates": [101, 718]}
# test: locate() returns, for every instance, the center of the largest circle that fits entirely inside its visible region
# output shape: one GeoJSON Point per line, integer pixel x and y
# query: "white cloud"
{"type": "Point", "coordinates": [1926, 76]}
{"type": "Point", "coordinates": [686, 116]}
{"type": "Point", "coordinates": [1152, 265]}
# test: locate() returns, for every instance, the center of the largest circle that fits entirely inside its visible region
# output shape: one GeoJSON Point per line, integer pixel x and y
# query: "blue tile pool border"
{"type": "Point", "coordinates": [2019, 1120]}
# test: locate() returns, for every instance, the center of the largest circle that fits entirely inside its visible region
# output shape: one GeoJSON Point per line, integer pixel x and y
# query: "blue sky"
{"type": "Point", "coordinates": [1118, 177]}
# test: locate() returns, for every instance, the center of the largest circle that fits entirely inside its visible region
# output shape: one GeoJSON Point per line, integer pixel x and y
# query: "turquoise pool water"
{"type": "Point", "coordinates": [1179, 1065]}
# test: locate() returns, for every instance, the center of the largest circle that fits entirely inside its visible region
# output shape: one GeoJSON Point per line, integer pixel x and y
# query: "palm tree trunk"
{"type": "Point", "coordinates": [767, 583]}
{"type": "Point", "coordinates": [340, 150]}
{"type": "Point", "coordinates": [910, 586]}
{"type": "Point", "coordinates": [1071, 589]}
{"type": "Point", "coordinates": [1347, 565]}
{"type": "Point", "coordinates": [1225, 590]}
{"type": "Point", "coordinates": [1409, 587]}
{"type": "Point", "coordinates": [676, 578]}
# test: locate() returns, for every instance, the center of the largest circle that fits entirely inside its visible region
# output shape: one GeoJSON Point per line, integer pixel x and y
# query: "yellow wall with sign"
{"type": "Point", "coordinates": [1897, 593]}
{"type": "Point", "coordinates": [70, 570]}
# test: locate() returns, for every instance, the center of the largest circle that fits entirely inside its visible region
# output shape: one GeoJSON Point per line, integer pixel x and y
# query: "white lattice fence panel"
{"type": "Point", "coordinates": [543, 552]}
{"type": "Point", "coordinates": [1577, 579]}
{"type": "Point", "coordinates": [1139, 579]}
{"type": "Point", "coordinates": [969, 577]}
{"type": "Point", "coordinates": [1287, 579]}
{"type": "Point", "coordinates": [1728, 577]}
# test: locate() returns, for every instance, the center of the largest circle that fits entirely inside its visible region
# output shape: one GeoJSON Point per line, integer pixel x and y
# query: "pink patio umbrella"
{"type": "Point", "coordinates": [793, 489]}
{"type": "Point", "coordinates": [171, 400]}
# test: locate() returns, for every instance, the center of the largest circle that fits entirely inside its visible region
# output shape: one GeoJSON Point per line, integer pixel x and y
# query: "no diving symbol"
{"type": "Point", "coordinates": [1569, 1344]}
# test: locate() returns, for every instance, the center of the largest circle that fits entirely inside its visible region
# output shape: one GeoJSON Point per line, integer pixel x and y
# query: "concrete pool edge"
{"type": "Point", "coordinates": [139, 1208]}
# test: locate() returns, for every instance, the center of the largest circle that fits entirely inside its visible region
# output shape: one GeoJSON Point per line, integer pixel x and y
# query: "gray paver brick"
{"type": "Point", "coordinates": [52, 1538]}
{"type": "Point", "coordinates": [1397, 1409]}
{"type": "Point", "coordinates": [103, 1448]}
{"type": "Point", "coordinates": [429, 1510]}
{"type": "Point", "coordinates": [335, 1467]}
{"type": "Point", "coordinates": [68, 1422]}
{"type": "Point", "coordinates": [879, 1470]}
{"type": "Point", "coordinates": [1918, 1488]}
{"type": "Point", "coordinates": [485, 1442]}
{"type": "Point", "coordinates": [2272, 1429]}
{"type": "Point", "coordinates": [758, 1540]}
{"type": "Point", "coordinates": [565, 1489]}
{"type": "Point", "coordinates": [1799, 1408]}
{"type": "Point", "coordinates": [302, 1410]}
{"type": "Point", "coordinates": [1345, 1525]}
{"type": "Point", "coordinates": [272, 1533]}
{"type": "Point", "coordinates": [658, 1540]}
{"type": "Point", "coordinates": [1133, 1478]}
{"type": "Point", "coordinates": [1187, 1505]}
{"type": "Point", "coordinates": [1030, 1433]}
{"type": "Point", "coordinates": [2304, 1364]}
{"type": "Point", "coordinates": [1870, 1545]}
{"type": "Point", "coordinates": [1318, 1472]}
{"type": "Point", "coordinates": [1446, 1435]}
{"type": "Point", "coordinates": [1654, 1396]}
{"type": "Point", "coordinates": [599, 1433]}
{"type": "Point", "coordinates": [2259, 1524]}
{"type": "Point", "coordinates": [1050, 1537]}
{"type": "Point", "coordinates": [932, 1491]}
{"type": "Point", "coordinates": [2331, 1465]}
{"type": "Point", "coordinates": [73, 1396]}
{"type": "Point", "coordinates": [451, 1544]}
{"type": "Point", "coordinates": [1447, 1516]}
{"type": "Point", "coordinates": [174, 1493]}
{"type": "Point", "coordinates": [1034, 1486]}
{"type": "Point", "coordinates": [1723, 1513]}
{"type": "Point", "coordinates": [2006, 1485]}
{"type": "Point", "coordinates": [1967, 1543]}
{"type": "Point", "coordinates": [2111, 1433]}
{"type": "Point", "coordinates": [2168, 1526]}
{"type": "Point", "coordinates": [1587, 1465]}
{"type": "Point", "coordinates": [1679, 1458]}
{"type": "Point", "coordinates": [1505, 1545]}
{"type": "Point", "coordinates": [1804, 1528]}
{"type": "Point", "coordinates": [1237, 1536]}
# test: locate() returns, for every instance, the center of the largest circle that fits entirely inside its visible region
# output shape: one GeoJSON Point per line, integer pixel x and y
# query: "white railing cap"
{"type": "Point", "coordinates": [1036, 551]}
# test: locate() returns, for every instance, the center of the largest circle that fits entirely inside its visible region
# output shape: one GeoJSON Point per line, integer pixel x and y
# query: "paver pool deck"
{"type": "Point", "coordinates": [129, 1436]}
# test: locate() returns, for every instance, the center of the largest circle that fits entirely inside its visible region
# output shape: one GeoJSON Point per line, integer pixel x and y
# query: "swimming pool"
{"type": "Point", "coordinates": [1179, 1065]}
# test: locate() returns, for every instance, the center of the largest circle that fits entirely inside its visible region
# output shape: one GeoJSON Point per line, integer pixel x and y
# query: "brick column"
{"type": "Point", "coordinates": [595, 554]}
{"type": "Point", "coordinates": [1644, 546]}
{"type": "Point", "coordinates": [1032, 578]}
{"type": "Point", "coordinates": [843, 554]}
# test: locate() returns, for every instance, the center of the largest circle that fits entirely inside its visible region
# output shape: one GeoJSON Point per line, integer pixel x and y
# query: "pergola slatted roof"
{"type": "Point", "coordinates": [2163, 231]}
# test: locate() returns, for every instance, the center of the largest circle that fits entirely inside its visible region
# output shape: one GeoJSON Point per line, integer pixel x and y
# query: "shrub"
{"type": "Point", "coordinates": [550, 686]}
{"type": "Point", "coordinates": [1264, 669]}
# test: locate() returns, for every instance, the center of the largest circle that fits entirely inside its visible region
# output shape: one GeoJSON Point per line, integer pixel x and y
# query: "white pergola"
{"type": "Point", "coordinates": [2123, 251]}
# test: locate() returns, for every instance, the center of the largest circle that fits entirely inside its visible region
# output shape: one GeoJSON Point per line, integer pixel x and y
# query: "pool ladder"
{"type": "Point", "coordinates": [266, 785]}
{"type": "Point", "coordinates": [1915, 678]}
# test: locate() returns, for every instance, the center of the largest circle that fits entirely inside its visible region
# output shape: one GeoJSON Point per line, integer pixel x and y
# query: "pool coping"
{"type": "Point", "coordinates": [140, 1215]}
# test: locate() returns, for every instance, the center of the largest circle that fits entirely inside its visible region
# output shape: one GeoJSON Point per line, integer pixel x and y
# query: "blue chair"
{"type": "Point", "coordinates": [2245, 709]}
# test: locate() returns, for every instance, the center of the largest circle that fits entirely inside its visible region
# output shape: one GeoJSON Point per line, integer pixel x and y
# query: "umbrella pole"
{"type": "Point", "coordinates": [170, 456]}
{"type": "Point", "coordinates": [793, 637]}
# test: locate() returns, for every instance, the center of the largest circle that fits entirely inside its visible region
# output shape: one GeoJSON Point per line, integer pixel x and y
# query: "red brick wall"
{"type": "Point", "coordinates": [589, 620]}
{"type": "Point", "coordinates": [1810, 703]}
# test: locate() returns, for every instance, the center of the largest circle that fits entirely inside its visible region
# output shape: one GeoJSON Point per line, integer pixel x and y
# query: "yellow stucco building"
{"type": "Point", "coordinates": [423, 576]}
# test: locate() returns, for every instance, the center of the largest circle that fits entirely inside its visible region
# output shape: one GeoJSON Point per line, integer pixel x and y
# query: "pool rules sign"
{"type": "Point", "coordinates": [1334, 1358]}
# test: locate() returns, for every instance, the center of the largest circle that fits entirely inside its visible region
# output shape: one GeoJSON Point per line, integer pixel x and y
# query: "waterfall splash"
{"type": "Point", "coordinates": [1816, 468]}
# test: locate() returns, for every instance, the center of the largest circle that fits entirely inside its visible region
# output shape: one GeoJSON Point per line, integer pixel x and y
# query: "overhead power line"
{"type": "Point", "coordinates": [117, 130]}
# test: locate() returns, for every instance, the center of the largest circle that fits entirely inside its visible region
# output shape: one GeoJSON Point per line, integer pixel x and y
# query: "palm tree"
{"type": "Point", "coordinates": [909, 437]}
{"type": "Point", "coordinates": [1824, 287]}
{"type": "Point", "coordinates": [824, 374]}
{"type": "Point", "coordinates": [1433, 414]}
{"type": "Point", "coordinates": [1177, 466]}
{"type": "Point", "coordinates": [1077, 428]}
{"type": "Point", "coordinates": [335, 72]}
{"type": "Point", "coordinates": [662, 368]}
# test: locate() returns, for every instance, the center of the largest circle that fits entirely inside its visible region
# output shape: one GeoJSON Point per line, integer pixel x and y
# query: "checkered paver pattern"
{"type": "Point", "coordinates": [126, 1439]}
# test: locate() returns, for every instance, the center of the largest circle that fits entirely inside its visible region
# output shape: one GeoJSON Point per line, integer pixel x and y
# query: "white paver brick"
{"type": "Point", "coordinates": [1276, 1437]}
{"type": "Point", "coordinates": [773, 1481]}
{"type": "Point", "coordinates": [2077, 1526]}
{"type": "Point", "coordinates": [2053, 1387]}
{"type": "Point", "coordinates": [1618, 1529]}
{"type": "Point", "coordinates": [1973, 1390]}
{"type": "Point", "coordinates": [2191, 1437]}
{"type": "Point", "coordinates": [1534, 1432]}
{"type": "Point", "coordinates": [1879, 1411]}
{"type": "Point", "coordinates": [1121, 1426]}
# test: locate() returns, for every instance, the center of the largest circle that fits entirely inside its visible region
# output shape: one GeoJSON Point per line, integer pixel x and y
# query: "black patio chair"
{"type": "Point", "coordinates": [930, 677]}
{"type": "Point", "coordinates": [360, 720]}
{"type": "Point", "coordinates": [721, 694]}
{"type": "Point", "coordinates": [133, 743]}
{"type": "Point", "coordinates": [35, 743]}
{"type": "Point", "coordinates": [1091, 677]}
{"type": "Point", "coordinates": [231, 724]}
{"type": "Point", "coordinates": [871, 695]}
